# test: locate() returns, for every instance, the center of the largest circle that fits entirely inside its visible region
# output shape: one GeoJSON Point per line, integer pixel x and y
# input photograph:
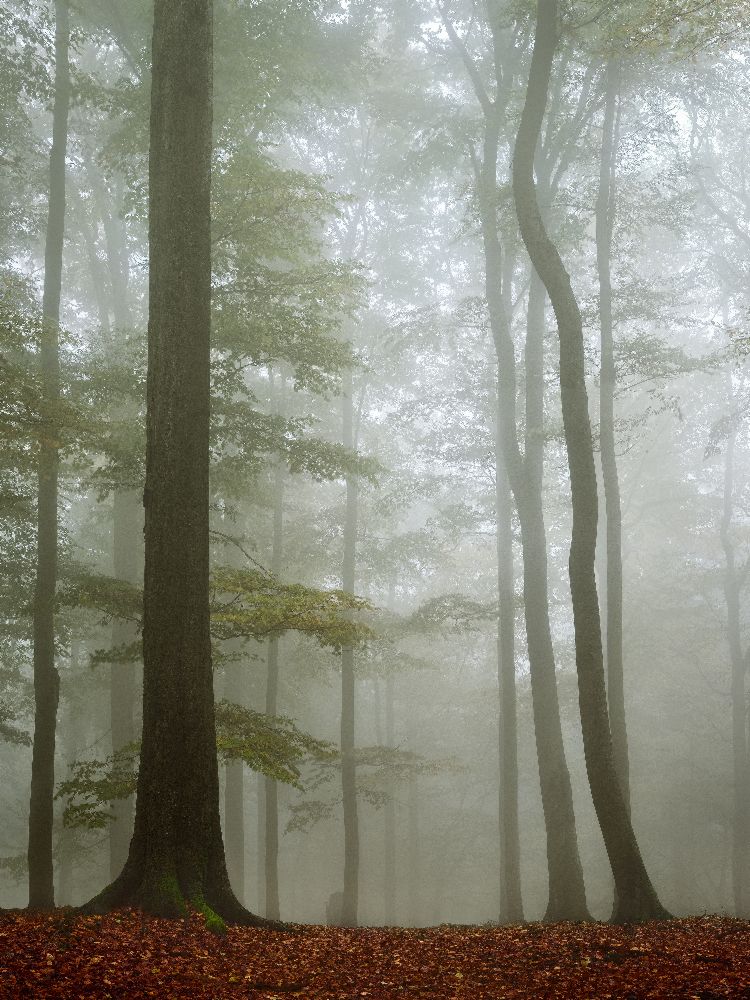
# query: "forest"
{"type": "Point", "coordinates": [375, 498]}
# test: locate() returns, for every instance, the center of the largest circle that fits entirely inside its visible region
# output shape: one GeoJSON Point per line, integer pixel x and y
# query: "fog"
{"type": "Point", "coordinates": [393, 648]}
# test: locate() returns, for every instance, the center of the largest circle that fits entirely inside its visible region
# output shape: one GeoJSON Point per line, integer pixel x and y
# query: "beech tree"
{"type": "Point", "coordinates": [635, 897]}
{"type": "Point", "coordinates": [176, 855]}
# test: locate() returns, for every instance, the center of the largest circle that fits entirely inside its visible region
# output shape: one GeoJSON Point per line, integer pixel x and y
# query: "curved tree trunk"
{"type": "Point", "coordinates": [177, 855]}
{"type": "Point", "coordinates": [567, 895]}
{"type": "Point", "coordinates": [635, 896]}
{"type": "Point", "coordinates": [610, 480]}
{"type": "Point", "coordinates": [46, 677]}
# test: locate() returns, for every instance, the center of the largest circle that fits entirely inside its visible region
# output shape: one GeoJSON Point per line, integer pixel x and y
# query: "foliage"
{"type": "Point", "coordinates": [271, 745]}
{"type": "Point", "coordinates": [245, 604]}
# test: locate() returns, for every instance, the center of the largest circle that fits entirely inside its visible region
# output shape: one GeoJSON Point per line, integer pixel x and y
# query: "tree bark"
{"type": "Point", "coordinates": [605, 207]}
{"type": "Point", "coordinates": [176, 855]}
{"type": "Point", "coordinates": [635, 896]}
{"type": "Point", "coordinates": [46, 677]}
{"type": "Point", "coordinates": [350, 899]}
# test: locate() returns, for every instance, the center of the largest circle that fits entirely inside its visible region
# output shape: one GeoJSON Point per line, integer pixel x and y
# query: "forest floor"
{"type": "Point", "coordinates": [126, 955]}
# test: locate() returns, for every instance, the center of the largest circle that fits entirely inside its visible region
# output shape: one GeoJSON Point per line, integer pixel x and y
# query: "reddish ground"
{"type": "Point", "coordinates": [126, 956]}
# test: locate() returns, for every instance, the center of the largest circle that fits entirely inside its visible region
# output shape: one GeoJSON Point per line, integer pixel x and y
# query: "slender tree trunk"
{"type": "Point", "coordinates": [741, 763]}
{"type": "Point", "coordinates": [567, 895]}
{"type": "Point", "coordinates": [605, 207]}
{"type": "Point", "coordinates": [389, 811]}
{"type": "Point", "coordinates": [634, 894]}
{"type": "Point", "coordinates": [177, 854]}
{"type": "Point", "coordinates": [350, 899]}
{"type": "Point", "coordinates": [234, 794]}
{"type": "Point", "coordinates": [414, 866]}
{"type": "Point", "coordinates": [46, 677]}
{"type": "Point", "coordinates": [272, 694]}
{"type": "Point", "coordinates": [127, 545]}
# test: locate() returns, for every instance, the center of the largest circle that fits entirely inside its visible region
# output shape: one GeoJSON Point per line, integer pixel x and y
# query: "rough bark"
{"type": "Point", "coordinates": [348, 769]}
{"type": "Point", "coordinates": [636, 898]}
{"type": "Point", "coordinates": [46, 677]}
{"type": "Point", "coordinates": [176, 854]}
{"type": "Point", "coordinates": [740, 761]}
{"type": "Point", "coordinates": [272, 694]}
{"type": "Point", "coordinates": [605, 206]}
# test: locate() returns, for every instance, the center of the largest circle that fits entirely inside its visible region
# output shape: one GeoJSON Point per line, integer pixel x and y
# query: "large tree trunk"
{"type": "Point", "coordinates": [634, 894]}
{"type": "Point", "coordinates": [272, 694]}
{"type": "Point", "coordinates": [610, 480]}
{"type": "Point", "coordinates": [46, 677]}
{"type": "Point", "coordinates": [348, 770]}
{"type": "Point", "coordinates": [177, 855]}
{"type": "Point", "coordinates": [741, 762]}
{"type": "Point", "coordinates": [567, 896]}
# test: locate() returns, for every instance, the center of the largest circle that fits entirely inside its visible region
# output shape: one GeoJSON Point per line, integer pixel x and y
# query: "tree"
{"type": "Point", "coordinates": [635, 897]}
{"type": "Point", "coordinates": [177, 855]}
{"type": "Point", "coordinates": [46, 677]}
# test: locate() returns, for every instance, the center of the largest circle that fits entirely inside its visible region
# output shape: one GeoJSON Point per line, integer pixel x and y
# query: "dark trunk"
{"type": "Point", "coordinates": [567, 896]}
{"type": "Point", "coordinates": [741, 763]}
{"type": "Point", "coordinates": [46, 677]}
{"type": "Point", "coordinates": [605, 206]}
{"type": "Point", "coordinates": [234, 792]}
{"type": "Point", "coordinates": [177, 854]}
{"type": "Point", "coordinates": [635, 896]}
{"type": "Point", "coordinates": [272, 694]}
{"type": "Point", "coordinates": [348, 770]}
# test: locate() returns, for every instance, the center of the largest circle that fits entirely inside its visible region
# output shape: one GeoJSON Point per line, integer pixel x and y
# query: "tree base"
{"type": "Point", "coordinates": [165, 896]}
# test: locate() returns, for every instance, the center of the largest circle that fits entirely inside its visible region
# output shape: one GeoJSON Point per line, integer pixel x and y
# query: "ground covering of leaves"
{"type": "Point", "coordinates": [125, 955]}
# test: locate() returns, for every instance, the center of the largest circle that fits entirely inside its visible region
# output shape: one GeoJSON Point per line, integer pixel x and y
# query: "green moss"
{"type": "Point", "coordinates": [214, 923]}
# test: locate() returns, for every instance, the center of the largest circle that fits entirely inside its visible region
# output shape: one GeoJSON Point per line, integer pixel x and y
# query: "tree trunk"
{"type": "Point", "coordinates": [177, 854]}
{"type": "Point", "coordinates": [348, 770]}
{"type": "Point", "coordinates": [567, 895]}
{"type": "Point", "coordinates": [234, 793]}
{"type": "Point", "coordinates": [46, 677]}
{"type": "Point", "coordinates": [272, 694]}
{"type": "Point", "coordinates": [604, 223]}
{"type": "Point", "coordinates": [741, 763]}
{"type": "Point", "coordinates": [389, 811]}
{"type": "Point", "coordinates": [634, 894]}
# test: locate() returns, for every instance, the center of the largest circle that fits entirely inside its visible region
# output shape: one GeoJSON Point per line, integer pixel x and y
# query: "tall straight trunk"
{"type": "Point", "coordinates": [127, 545]}
{"type": "Point", "coordinates": [176, 854]}
{"type": "Point", "coordinates": [511, 905]}
{"type": "Point", "coordinates": [389, 811]}
{"type": "Point", "coordinates": [605, 208]}
{"type": "Point", "coordinates": [73, 739]}
{"type": "Point", "coordinates": [350, 899]}
{"type": "Point", "coordinates": [414, 853]}
{"type": "Point", "coordinates": [741, 762]}
{"type": "Point", "coordinates": [127, 535]}
{"type": "Point", "coordinates": [635, 897]}
{"type": "Point", "coordinates": [272, 695]}
{"type": "Point", "coordinates": [46, 677]}
{"type": "Point", "coordinates": [567, 895]}
{"type": "Point", "coordinates": [234, 795]}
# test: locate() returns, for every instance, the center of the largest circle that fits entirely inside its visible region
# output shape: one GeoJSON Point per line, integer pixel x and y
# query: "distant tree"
{"type": "Point", "coordinates": [635, 897]}
{"type": "Point", "coordinates": [46, 677]}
